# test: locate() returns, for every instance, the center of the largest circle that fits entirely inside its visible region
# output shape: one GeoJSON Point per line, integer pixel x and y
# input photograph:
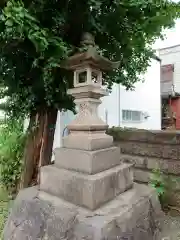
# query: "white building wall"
{"type": "Point", "coordinates": [145, 98]}
{"type": "Point", "coordinates": [109, 109]}
{"type": "Point", "coordinates": [171, 55]}
{"type": "Point", "coordinates": [63, 119]}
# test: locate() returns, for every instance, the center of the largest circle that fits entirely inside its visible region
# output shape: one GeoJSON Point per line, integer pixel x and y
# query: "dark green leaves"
{"type": "Point", "coordinates": [36, 35]}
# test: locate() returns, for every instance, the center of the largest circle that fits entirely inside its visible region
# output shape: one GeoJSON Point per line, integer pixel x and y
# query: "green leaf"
{"type": "Point", "coordinates": [160, 191]}
{"type": "Point", "coordinates": [9, 23]}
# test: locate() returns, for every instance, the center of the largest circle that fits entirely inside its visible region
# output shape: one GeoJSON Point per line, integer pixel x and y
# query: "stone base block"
{"type": "Point", "coordinates": [133, 215]}
{"type": "Point", "coordinates": [89, 191]}
{"type": "Point", "coordinates": [90, 162]}
{"type": "Point", "coordinates": [87, 140]}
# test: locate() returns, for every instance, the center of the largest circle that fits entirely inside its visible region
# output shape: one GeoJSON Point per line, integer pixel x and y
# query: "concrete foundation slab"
{"type": "Point", "coordinates": [133, 215]}
{"type": "Point", "coordinates": [89, 162]}
{"type": "Point", "coordinates": [87, 190]}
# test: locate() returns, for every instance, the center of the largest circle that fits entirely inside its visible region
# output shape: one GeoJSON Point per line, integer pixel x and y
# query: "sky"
{"type": "Point", "coordinates": [172, 37]}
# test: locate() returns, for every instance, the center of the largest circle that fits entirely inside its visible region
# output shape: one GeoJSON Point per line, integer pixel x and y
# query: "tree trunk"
{"type": "Point", "coordinates": [38, 148]}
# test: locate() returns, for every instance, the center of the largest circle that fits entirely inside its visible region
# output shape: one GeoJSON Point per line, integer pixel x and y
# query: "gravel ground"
{"type": "Point", "coordinates": [170, 228]}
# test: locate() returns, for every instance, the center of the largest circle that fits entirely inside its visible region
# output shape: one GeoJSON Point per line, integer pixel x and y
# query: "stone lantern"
{"type": "Point", "coordinates": [87, 131]}
{"type": "Point", "coordinates": [88, 193]}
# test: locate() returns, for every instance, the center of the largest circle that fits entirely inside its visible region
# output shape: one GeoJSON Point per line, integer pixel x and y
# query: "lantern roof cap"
{"type": "Point", "coordinates": [89, 57]}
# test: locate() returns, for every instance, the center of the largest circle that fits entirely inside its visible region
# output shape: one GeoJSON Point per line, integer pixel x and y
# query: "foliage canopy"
{"type": "Point", "coordinates": [36, 35]}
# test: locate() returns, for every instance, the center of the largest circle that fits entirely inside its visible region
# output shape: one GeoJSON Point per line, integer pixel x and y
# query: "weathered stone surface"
{"type": "Point", "coordinates": [88, 140]}
{"type": "Point", "coordinates": [137, 161]}
{"type": "Point", "coordinates": [174, 198]}
{"type": "Point", "coordinates": [89, 191]}
{"type": "Point", "coordinates": [166, 165]}
{"type": "Point", "coordinates": [157, 137]}
{"type": "Point", "coordinates": [132, 215]}
{"type": "Point", "coordinates": [90, 162]}
{"type": "Point", "coordinates": [141, 176]}
{"type": "Point", "coordinates": [32, 218]}
{"type": "Point", "coordinates": [170, 228]}
{"type": "Point", "coordinates": [150, 150]}
{"type": "Point", "coordinates": [173, 193]}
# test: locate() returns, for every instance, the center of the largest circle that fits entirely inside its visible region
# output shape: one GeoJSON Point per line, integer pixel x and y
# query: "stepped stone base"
{"type": "Point", "coordinates": [87, 140]}
{"type": "Point", "coordinates": [90, 191]}
{"type": "Point", "coordinates": [89, 162]}
{"type": "Point", "coordinates": [133, 215]}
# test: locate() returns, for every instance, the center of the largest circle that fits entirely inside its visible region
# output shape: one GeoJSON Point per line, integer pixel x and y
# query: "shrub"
{"type": "Point", "coordinates": [159, 181]}
{"type": "Point", "coordinates": [12, 141]}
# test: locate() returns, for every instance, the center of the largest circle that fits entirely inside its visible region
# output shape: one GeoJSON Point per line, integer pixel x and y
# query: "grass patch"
{"type": "Point", "coordinates": [4, 203]}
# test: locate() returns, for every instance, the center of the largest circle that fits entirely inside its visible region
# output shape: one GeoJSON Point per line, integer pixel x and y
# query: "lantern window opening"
{"type": "Point", "coordinates": [82, 77]}
{"type": "Point", "coordinates": [96, 77]}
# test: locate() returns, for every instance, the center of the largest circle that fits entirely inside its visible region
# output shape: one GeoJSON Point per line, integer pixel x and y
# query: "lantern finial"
{"type": "Point", "coordinates": [88, 40]}
{"type": "Point", "coordinates": [89, 57]}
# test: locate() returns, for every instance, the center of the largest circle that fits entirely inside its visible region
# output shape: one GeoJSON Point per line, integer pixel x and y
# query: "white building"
{"type": "Point", "coordinates": [140, 108]}
{"type": "Point", "coordinates": [170, 62]}
{"type": "Point", "coordinates": [170, 81]}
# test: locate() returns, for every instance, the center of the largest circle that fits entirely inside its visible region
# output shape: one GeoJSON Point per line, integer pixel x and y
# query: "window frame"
{"type": "Point", "coordinates": [126, 112]}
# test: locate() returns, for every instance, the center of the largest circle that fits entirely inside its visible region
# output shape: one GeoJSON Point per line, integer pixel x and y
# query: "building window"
{"type": "Point", "coordinates": [167, 75]}
{"type": "Point", "coordinates": [131, 116]}
{"type": "Point", "coordinates": [167, 72]}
